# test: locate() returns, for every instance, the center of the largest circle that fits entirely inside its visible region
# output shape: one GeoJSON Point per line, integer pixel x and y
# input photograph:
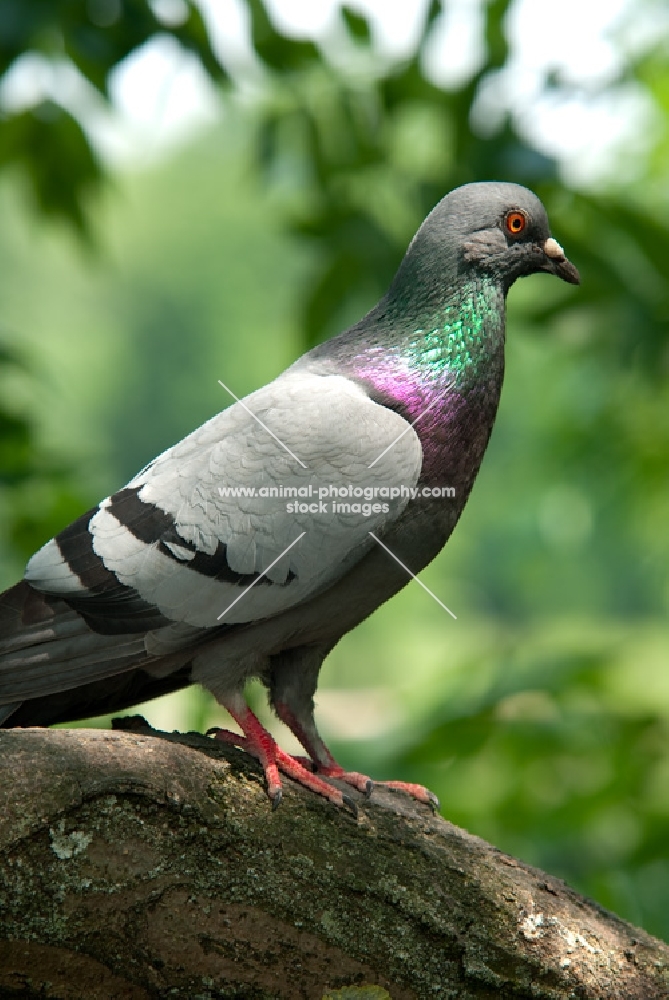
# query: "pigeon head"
{"type": "Point", "coordinates": [491, 228]}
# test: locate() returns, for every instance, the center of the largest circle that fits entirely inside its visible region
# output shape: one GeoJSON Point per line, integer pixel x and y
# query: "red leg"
{"type": "Point", "coordinates": [326, 765]}
{"type": "Point", "coordinates": [257, 741]}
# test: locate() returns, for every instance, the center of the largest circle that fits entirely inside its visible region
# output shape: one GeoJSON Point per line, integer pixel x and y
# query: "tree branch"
{"type": "Point", "coordinates": [142, 865]}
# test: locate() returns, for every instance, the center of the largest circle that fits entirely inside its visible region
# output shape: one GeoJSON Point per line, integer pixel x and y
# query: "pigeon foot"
{"type": "Point", "coordinates": [322, 762]}
{"type": "Point", "coordinates": [258, 742]}
{"type": "Point", "coordinates": [367, 785]}
{"type": "Point", "coordinates": [361, 782]}
{"type": "Point", "coordinates": [418, 792]}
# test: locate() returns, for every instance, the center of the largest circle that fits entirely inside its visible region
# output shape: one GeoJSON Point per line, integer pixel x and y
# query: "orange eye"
{"type": "Point", "coordinates": [515, 223]}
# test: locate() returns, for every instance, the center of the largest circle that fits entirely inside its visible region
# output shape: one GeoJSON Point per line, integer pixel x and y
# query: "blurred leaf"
{"type": "Point", "coordinates": [26, 469]}
{"type": "Point", "coordinates": [284, 55]}
{"type": "Point", "coordinates": [357, 25]}
{"type": "Point", "coordinates": [17, 446]}
{"type": "Point", "coordinates": [47, 144]}
{"type": "Point", "coordinates": [51, 149]}
{"type": "Point", "coordinates": [96, 35]}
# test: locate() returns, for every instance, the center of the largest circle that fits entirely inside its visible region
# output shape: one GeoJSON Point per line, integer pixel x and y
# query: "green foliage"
{"type": "Point", "coordinates": [281, 54]}
{"type": "Point", "coordinates": [48, 146]}
{"type": "Point", "coordinates": [357, 25]}
{"type": "Point", "coordinates": [16, 443]}
{"type": "Point", "coordinates": [96, 36]}
{"type": "Point", "coordinates": [27, 469]}
{"type": "Point", "coordinates": [54, 156]}
{"type": "Point", "coordinates": [562, 760]}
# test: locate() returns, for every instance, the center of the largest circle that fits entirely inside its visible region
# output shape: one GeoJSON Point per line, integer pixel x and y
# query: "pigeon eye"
{"type": "Point", "coordinates": [515, 222]}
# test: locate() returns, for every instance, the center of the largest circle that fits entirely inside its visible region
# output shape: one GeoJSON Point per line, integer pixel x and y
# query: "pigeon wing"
{"type": "Point", "coordinates": [228, 526]}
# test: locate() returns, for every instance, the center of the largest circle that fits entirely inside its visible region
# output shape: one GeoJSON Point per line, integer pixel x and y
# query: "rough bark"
{"type": "Point", "coordinates": [139, 865]}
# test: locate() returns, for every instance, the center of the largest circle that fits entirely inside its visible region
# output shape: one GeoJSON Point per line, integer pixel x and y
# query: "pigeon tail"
{"type": "Point", "coordinates": [47, 648]}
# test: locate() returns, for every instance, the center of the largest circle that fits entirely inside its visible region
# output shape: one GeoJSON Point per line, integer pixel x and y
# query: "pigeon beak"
{"type": "Point", "coordinates": [557, 263]}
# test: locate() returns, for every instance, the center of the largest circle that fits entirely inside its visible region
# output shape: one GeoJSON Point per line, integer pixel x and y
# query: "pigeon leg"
{"type": "Point", "coordinates": [293, 684]}
{"type": "Point", "coordinates": [323, 761]}
{"type": "Point", "coordinates": [257, 741]}
{"type": "Point", "coordinates": [304, 728]}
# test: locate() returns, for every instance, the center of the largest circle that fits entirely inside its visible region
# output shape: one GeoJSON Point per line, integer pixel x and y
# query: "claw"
{"type": "Point", "coordinates": [350, 805]}
{"type": "Point", "coordinates": [433, 802]}
{"type": "Point", "coordinates": [369, 788]}
{"type": "Point", "coordinates": [275, 799]}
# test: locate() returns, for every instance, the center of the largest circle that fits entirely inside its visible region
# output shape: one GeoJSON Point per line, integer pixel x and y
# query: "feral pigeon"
{"type": "Point", "coordinates": [252, 546]}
